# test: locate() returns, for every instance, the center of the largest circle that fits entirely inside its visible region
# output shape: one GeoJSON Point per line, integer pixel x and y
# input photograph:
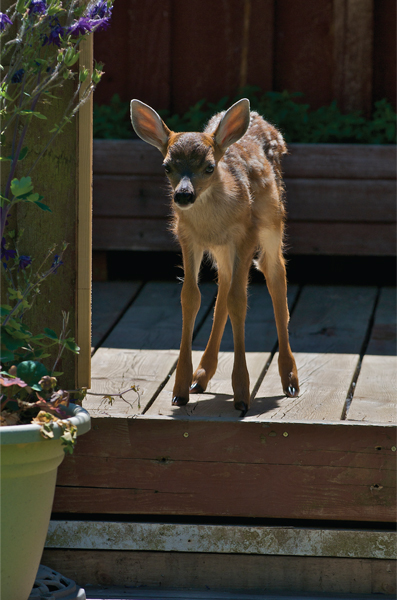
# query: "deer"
{"type": "Point", "coordinates": [227, 202]}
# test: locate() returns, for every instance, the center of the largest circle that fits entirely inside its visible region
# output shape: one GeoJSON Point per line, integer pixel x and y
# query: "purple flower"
{"type": "Point", "coordinates": [100, 9]}
{"type": "Point", "coordinates": [100, 24]}
{"type": "Point", "coordinates": [96, 18]}
{"type": "Point", "coordinates": [38, 7]}
{"type": "Point", "coordinates": [5, 253]}
{"type": "Point", "coordinates": [18, 76]}
{"type": "Point", "coordinates": [57, 263]}
{"type": "Point", "coordinates": [24, 261]}
{"type": "Point", "coordinates": [100, 14]}
{"type": "Point", "coordinates": [56, 34]}
{"type": "Point", "coordinates": [4, 21]}
{"type": "Point", "coordinates": [81, 27]}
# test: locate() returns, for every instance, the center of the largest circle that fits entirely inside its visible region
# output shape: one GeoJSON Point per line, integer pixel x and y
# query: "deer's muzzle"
{"type": "Point", "coordinates": [184, 198]}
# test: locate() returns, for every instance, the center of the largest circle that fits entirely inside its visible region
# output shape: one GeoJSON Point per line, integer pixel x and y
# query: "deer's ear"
{"type": "Point", "coordinates": [233, 125]}
{"type": "Point", "coordinates": [149, 126]}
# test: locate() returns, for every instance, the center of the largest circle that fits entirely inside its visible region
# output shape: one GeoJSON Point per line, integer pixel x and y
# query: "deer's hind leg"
{"type": "Point", "coordinates": [209, 361]}
{"type": "Point", "coordinates": [271, 263]}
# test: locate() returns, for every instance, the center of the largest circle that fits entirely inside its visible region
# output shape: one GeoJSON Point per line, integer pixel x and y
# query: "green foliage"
{"type": "Point", "coordinates": [285, 110]}
{"type": "Point", "coordinates": [111, 121]}
{"type": "Point", "coordinates": [40, 42]}
{"type": "Point", "coordinates": [31, 371]}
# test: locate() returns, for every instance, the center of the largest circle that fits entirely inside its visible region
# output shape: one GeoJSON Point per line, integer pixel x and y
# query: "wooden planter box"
{"type": "Point", "coordinates": [340, 198]}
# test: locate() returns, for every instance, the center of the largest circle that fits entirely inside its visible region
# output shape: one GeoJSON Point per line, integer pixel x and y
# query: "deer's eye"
{"type": "Point", "coordinates": [167, 168]}
{"type": "Point", "coordinates": [210, 169]}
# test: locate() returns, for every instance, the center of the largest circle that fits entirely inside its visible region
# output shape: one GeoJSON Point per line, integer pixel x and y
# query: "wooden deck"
{"type": "Point", "coordinates": [197, 497]}
{"type": "Point", "coordinates": [343, 339]}
{"type": "Point", "coordinates": [334, 446]}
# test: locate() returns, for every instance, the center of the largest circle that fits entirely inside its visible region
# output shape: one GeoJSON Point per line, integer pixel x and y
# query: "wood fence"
{"type": "Point", "coordinates": [172, 53]}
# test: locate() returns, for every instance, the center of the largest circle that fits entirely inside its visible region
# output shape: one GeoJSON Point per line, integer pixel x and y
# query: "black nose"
{"type": "Point", "coordinates": [184, 198]}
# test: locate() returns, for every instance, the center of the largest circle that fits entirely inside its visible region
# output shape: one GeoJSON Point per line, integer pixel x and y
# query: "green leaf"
{"type": "Point", "coordinates": [34, 113]}
{"type": "Point", "coordinates": [71, 345]}
{"type": "Point", "coordinates": [31, 371]}
{"type": "Point", "coordinates": [6, 356]}
{"type": "Point", "coordinates": [20, 187]}
{"type": "Point", "coordinates": [5, 309]}
{"type": "Point", "coordinates": [4, 158]}
{"type": "Point", "coordinates": [43, 206]}
{"type": "Point", "coordinates": [50, 334]}
{"type": "Point", "coordinates": [5, 95]}
{"type": "Point", "coordinates": [16, 335]}
{"type": "Point", "coordinates": [11, 342]}
{"type": "Point", "coordinates": [23, 153]}
{"type": "Point", "coordinates": [37, 337]}
{"type": "Point", "coordinates": [32, 197]}
{"type": "Point", "coordinates": [21, 6]}
{"type": "Point", "coordinates": [13, 324]}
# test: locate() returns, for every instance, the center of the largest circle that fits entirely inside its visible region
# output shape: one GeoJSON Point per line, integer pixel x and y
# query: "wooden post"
{"type": "Point", "coordinates": [353, 54]}
{"type": "Point", "coordinates": [63, 177]}
{"type": "Point", "coordinates": [84, 228]}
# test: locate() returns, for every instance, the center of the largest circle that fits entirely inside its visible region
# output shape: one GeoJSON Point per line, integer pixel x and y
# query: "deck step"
{"type": "Point", "coordinates": [215, 558]}
{"type": "Point", "coordinates": [123, 593]}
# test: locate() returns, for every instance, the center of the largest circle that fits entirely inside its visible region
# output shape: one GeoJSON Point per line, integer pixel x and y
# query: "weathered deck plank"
{"type": "Point", "coordinates": [327, 331]}
{"type": "Point", "coordinates": [375, 395]}
{"type": "Point", "coordinates": [141, 350]}
{"type": "Point", "coordinates": [246, 573]}
{"type": "Point", "coordinates": [108, 301]}
{"type": "Point", "coordinates": [241, 469]}
{"type": "Point", "coordinates": [261, 337]}
{"type": "Point", "coordinates": [223, 539]}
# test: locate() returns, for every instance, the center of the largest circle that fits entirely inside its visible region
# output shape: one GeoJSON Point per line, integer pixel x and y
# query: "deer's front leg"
{"type": "Point", "coordinates": [190, 299]}
{"type": "Point", "coordinates": [209, 360]}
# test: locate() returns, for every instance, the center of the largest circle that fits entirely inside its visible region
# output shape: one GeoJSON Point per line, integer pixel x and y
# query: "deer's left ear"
{"type": "Point", "coordinates": [149, 126]}
{"type": "Point", "coordinates": [233, 125]}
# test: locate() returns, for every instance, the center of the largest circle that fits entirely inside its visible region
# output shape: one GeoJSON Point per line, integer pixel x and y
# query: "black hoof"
{"type": "Point", "coordinates": [196, 388]}
{"type": "Point", "coordinates": [241, 406]}
{"type": "Point", "coordinates": [179, 401]}
{"type": "Point", "coordinates": [291, 392]}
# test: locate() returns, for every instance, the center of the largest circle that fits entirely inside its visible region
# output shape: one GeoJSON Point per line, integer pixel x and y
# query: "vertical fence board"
{"type": "Point", "coordinates": [385, 69]}
{"type": "Point", "coordinates": [353, 47]}
{"type": "Point", "coordinates": [303, 49]}
{"type": "Point", "coordinates": [136, 52]}
{"type": "Point", "coordinates": [171, 53]}
{"type": "Point", "coordinates": [84, 228]}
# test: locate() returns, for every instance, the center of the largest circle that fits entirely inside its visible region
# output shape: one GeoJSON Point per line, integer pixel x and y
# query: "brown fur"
{"type": "Point", "coordinates": [228, 201]}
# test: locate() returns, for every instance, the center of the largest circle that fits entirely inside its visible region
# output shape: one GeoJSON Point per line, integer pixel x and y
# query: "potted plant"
{"type": "Point", "coordinates": [40, 47]}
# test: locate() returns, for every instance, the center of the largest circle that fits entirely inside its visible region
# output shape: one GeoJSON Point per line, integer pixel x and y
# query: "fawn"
{"type": "Point", "coordinates": [227, 200]}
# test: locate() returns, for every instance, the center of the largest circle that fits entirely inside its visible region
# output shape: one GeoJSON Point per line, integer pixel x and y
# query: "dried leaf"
{"type": "Point", "coordinates": [44, 418]}
{"type": "Point", "coordinates": [8, 381]}
{"type": "Point", "coordinates": [59, 398]}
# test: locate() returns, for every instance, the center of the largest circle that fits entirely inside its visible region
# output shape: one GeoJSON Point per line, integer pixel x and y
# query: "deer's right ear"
{"type": "Point", "coordinates": [149, 126]}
